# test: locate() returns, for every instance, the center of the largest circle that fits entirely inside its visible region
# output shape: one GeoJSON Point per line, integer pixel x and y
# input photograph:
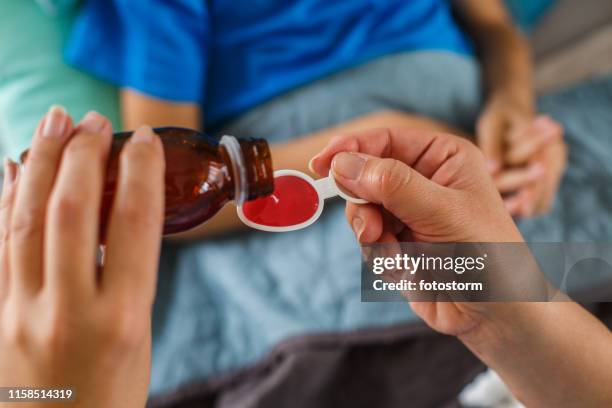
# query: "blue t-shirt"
{"type": "Point", "coordinates": [229, 56]}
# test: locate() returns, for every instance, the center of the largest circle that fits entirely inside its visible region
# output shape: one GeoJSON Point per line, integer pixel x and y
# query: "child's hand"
{"type": "Point", "coordinates": [535, 160]}
{"type": "Point", "coordinates": [525, 155]}
{"type": "Point", "coordinates": [63, 321]}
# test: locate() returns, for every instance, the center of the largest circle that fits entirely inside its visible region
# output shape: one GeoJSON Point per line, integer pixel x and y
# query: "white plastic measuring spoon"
{"type": "Point", "coordinates": [325, 187]}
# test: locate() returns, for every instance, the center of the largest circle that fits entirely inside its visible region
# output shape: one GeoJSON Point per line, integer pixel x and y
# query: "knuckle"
{"type": "Point", "coordinates": [40, 152]}
{"type": "Point", "coordinates": [124, 331]}
{"type": "Point", "coordinates": [390, 176]}
{"type": "Point", "coordinates": [6, 201]}
{"type": "Point", "coordinates": [443, 147]}
{"type": "Point", "coordinates": [343, 142]}
{"type": "Point", "coordinates": [15, 332]}
{"type": "Point", "coordinates": [58, 335]}
{"type": "Point", "coordinates": [68, 206]}
{"type": "Point", "coordinates": [26, 222]}
{"type": "Point", "coordinates": [64, 322]}
{"type": "Point", "coordinates": [133, 214]}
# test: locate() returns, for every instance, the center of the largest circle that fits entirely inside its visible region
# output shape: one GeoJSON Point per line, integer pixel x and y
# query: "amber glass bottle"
{"type": "Point", "coordinates": [202, 175]}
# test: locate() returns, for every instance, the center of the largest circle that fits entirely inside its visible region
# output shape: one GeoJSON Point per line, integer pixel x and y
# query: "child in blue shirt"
{"type": "Point", "coordinates": [204, 63]}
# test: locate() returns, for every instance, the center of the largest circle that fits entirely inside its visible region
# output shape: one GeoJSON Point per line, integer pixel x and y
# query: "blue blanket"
{"type": "Point", "coordinates": [583, 208]}
{"type": "Point", "coordinates": [223, 304]}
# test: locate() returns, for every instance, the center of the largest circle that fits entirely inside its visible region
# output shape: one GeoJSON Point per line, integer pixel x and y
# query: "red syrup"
{"type": "Point", "coordinates": [293, 202]}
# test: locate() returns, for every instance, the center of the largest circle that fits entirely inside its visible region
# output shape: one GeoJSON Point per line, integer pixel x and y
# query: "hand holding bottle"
{"type": "Point", "coordinates": [63, 321]}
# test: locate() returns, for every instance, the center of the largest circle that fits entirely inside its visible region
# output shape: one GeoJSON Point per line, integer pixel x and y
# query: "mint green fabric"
{"type": "Point", "coordinates": [33, 75]}
{"type": "Point", "coordinates": [57, 7]}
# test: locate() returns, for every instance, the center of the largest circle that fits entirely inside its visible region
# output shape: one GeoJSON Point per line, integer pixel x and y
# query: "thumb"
{"type": "Point", "coordinates": [403, 191]}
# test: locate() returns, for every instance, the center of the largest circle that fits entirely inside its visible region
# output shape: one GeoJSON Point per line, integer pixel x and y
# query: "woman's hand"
{"type": "Point", "coordinates": [434, 188]}
{"type": "Point", "coordinates": [64, 322]}
{"type": "Point", "coordinates": [525, 154]}
{"type": "Point", "coordinates": [435, 184]}
{"type": "Point", "coordinates": [424, 187]}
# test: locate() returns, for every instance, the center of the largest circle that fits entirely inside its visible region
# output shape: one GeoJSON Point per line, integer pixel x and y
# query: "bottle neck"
{"type": "Point", "coordinates": [251, 166]}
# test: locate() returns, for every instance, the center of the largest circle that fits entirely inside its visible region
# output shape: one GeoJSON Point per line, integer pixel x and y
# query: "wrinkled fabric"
{"type": "Point", "coordinates": [582, 211]}
{"type": "Point", "coordinates": [401, 366]}
{"type": "Point", "coordinates": [224, 303]}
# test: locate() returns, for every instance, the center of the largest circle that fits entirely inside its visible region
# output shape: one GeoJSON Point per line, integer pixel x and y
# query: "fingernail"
{"type": "Point", "coordinates": [545, 126]}
{"type": "Point", "coordinates": [310, 166]}
{"type": "Point", "coordinates": [10, 172]}
{"type": "Point", "coordinates": [492, 166]}
{"type": "Point", "coordinates": [348, 165]}
{"type": "Point", "coordinates": [143, 134]}
{"type": "Point", "coordinates": [536, 171]}
{"type": "Point", "coordinates": [358, 226]}
{"type": "Point", "coordinates": [93, 122]}
{"type": "Point", "coordinates": [55, 122]}
{"type": "Point", "coordinates": [547, 119]}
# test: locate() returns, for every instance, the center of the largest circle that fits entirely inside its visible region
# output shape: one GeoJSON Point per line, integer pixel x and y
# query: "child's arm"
{"type": "Point", "coordinates": [138, 109]}
{"type": "Point", "coordinates": [515, 144]}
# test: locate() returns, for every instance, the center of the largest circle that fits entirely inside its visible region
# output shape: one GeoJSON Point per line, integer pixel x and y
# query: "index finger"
{"type": "Point", "coordinates": [405, 145]}
{"type": "Point", "coordinates": [135, 226]}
